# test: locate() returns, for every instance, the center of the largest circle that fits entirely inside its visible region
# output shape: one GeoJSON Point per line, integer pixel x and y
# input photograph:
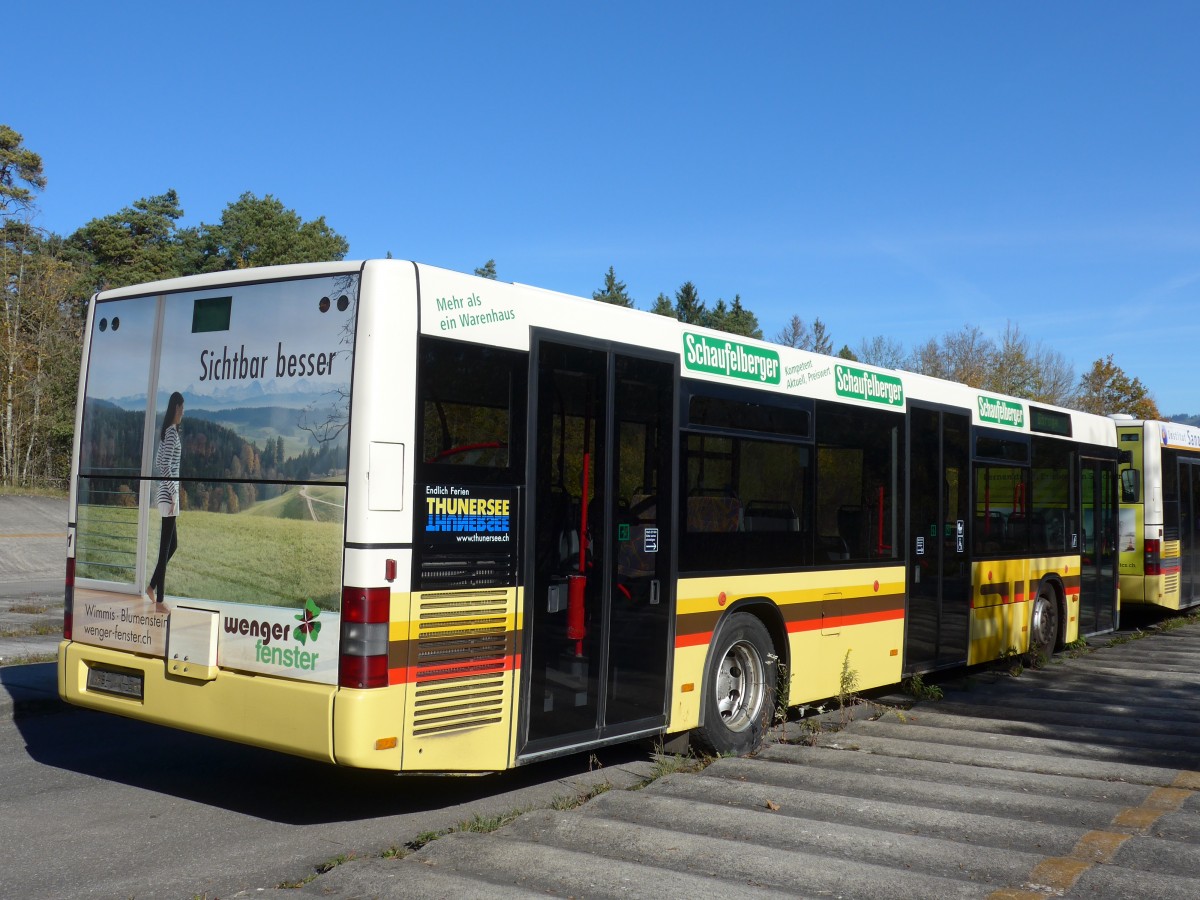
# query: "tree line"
{"type": "Point", "coordinates": [47, 278]}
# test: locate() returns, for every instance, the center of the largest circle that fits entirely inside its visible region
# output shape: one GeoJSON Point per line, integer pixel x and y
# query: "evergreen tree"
{"type": "Point", "coordinates": [689, 308]}
{"type": "Point", "coordinates": [663, 306]}
{"type": "Point", "coordinates": [20, 172]}
{"type": "Point", "coordinates": [257, 231]}
{"type": "Point", "coordinates": [487, 270]}
{"type": "Point", "coordinates": [131, 246]}
{"type": "Point", "coordinates": [613, 291]}
{"type": "Point", "coordinates": [742, 321]}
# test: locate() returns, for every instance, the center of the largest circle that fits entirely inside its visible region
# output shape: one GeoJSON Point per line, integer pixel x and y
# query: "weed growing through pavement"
{"type": "Point", "coordinates": [1011, 659]}
{"type": "Point", "coordinates": [1117, 639]}
{"type": "Point", "coordinates": [779, 709]}
{"type": "Point", "coordinates": [1077, 648]}
{"type": "Point", "coordinates": [916, 688]}
{"type": "Point", "coordinates": [847, 687]}
{"type": "Point", "coordinates": [564, 803]}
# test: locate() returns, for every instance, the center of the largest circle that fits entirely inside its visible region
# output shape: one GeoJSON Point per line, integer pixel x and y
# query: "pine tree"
{"type": "Point", "coordinates": [613, 291]}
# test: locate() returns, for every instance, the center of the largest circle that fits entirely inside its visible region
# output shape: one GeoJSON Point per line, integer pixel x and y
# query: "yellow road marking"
{"type": "Point", "coordinates": [1060, 873]}
{"type": "Point", "coordinates": [1099, 846]}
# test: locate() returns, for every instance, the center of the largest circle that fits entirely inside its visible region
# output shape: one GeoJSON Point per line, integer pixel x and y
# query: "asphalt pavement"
{"type": "Point", "coordinates": [33, 533]}
{"type": "Point", "coordinates": [33, 538]}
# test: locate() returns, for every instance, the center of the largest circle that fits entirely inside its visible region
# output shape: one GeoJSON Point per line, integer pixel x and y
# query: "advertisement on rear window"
{"type": "Point", "coordinates": [213, 467]}
{"type": "Point", "coordinates": [463, 517]}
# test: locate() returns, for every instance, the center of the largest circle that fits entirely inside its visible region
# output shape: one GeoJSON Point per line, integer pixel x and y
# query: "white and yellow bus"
{"type": "Point", "coordinates": [431, 522]}
{"type": "Point", "coordinates": [1159, 536]}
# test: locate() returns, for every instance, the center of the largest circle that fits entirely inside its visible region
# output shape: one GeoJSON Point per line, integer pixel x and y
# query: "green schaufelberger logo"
{"type": "Point", "coordinates": [871, 386]}
{"type": "Point", "coordinates": [729, 358]}
{"type": "Point", "coordinates": [1001, 412]}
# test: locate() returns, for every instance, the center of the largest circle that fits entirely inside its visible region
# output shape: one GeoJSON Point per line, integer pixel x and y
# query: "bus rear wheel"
{"type": "Point", "coordinates": [738, 687]}
{"type": "Point", "coordinates": [1043, 627]}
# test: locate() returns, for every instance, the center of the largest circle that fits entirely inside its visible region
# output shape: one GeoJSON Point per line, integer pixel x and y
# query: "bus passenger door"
{"type": "Point", "coordinates": [1098, 568]}
{"type": "Point", "coordinates": [599, 596]}
{"type": "Point", "coordinates": [1189, 531]}
{"type": "Point", "coordinates": [938, 626]}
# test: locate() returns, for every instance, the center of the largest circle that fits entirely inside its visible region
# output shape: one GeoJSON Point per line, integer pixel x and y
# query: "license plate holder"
{"type": "Point", "coordinates": [117, 682]}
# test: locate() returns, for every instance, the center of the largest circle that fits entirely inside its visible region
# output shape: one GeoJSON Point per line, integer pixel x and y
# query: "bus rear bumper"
{"type": "Point", "coordinates": [289, 716]}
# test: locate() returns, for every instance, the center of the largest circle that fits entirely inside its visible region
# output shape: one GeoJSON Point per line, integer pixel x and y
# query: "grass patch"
{"type": "Point", "coordinates": [480, 824]}
{"type": "Point", "coordinates": [477, 824]}
{"type": "Point", "coordinates": [29, 659]}
{"type": "Point", "coordinates": [8, 490]}
{"type": "Point", "coordinates": [1077, 648]}
{"type": "Point", "coordinates": [1119, 639]}
{"type": "Point", "coordinates": [34, 629]}
{"type": "Point", "coordinates": [564, 803]}
{"type": "Point", "coordinates": [223, 557]}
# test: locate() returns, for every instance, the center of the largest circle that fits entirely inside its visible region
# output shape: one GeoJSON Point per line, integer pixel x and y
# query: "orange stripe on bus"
{"type": "Point", "coordinates": [452, 671]}
{"type": "Point", "coordinates": [816, 623]}
{"type": "Point", "coordinates": [884, 615]}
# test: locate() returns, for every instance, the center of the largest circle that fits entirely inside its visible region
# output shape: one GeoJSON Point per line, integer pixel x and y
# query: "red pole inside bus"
{"type": "Point", "coordinates": [577, 584]}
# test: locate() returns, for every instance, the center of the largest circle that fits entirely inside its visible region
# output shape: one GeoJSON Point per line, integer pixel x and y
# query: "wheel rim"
{"type": "Point", "coordinates": [741, 685]}
{"type": "Point", "coordinates": [1042, 626]}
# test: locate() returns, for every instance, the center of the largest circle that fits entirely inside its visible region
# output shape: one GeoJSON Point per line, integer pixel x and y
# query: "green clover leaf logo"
{"type": "Point", "coordinates": [309, 626]}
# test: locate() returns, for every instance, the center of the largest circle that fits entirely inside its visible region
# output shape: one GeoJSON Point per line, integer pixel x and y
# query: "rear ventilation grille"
{"type": "Point", "coordinates": [454, 572]}
{"type": "Point", "coordinates": [460, 660]}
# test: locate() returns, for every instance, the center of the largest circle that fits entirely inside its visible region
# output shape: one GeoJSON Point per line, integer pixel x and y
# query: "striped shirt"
{"type": "Point", "coordinates": [166, 467]}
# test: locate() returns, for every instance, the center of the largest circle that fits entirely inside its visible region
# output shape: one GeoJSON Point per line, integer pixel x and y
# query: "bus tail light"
{"type": "Point", "coordinates": [69, 599]}
{"type": "Point", "coordinates": [363, 662]}
{"type": "Point", "coordinates": [1153, 562]}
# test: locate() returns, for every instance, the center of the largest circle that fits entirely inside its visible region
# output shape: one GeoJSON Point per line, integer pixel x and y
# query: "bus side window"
{"type": "Point", "coordinates": [1130, 486]}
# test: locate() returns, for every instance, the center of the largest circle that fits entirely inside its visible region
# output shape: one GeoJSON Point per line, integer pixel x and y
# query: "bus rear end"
{"type": "Point", "coordinates": [244, 640]}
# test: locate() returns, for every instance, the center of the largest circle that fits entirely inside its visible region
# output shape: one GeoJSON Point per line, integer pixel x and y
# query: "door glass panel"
{"type": "Point", "coordinates": [1089, 574]}
{"type": "Point", "coordinates": [924, 539]}
{"type": "Point", "coordinates": [956, 569]}
{"type": "Point", "coordinates": [600, 604]}
{"type": "Point", "coordinates": [939, 588]}
{"type": "Point", "coordinates": [566, 621]}
{"type": "Point", "coordinates": [1098, 565]}
{"type": "Point", "coordinates": [1189, 589]}
{"type": "Point", "coordinates": [641, 507]}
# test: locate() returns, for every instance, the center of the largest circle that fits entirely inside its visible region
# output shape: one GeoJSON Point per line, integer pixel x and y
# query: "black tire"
{"type": "Point", "coordinates": [1043, 626]}
{"type": "Point", "coordinates": [739, 688]}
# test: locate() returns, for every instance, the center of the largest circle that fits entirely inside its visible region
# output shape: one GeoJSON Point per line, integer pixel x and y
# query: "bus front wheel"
{"type": "Point", "coordinates": [738, 688]}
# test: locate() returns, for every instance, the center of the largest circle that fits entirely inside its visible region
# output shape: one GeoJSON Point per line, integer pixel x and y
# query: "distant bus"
{"type": "Point", "coordinates": [432, 522]}
{"type": "Point", "coordinates": [1159, 539]}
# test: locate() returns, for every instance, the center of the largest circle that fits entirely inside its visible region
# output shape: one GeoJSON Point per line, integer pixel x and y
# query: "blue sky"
{"type": "Point", "coordinates": [893, 168]}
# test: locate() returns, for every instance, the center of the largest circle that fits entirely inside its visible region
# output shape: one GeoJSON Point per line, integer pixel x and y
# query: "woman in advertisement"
{"type": "Point", "coordinates": [166, 468]}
